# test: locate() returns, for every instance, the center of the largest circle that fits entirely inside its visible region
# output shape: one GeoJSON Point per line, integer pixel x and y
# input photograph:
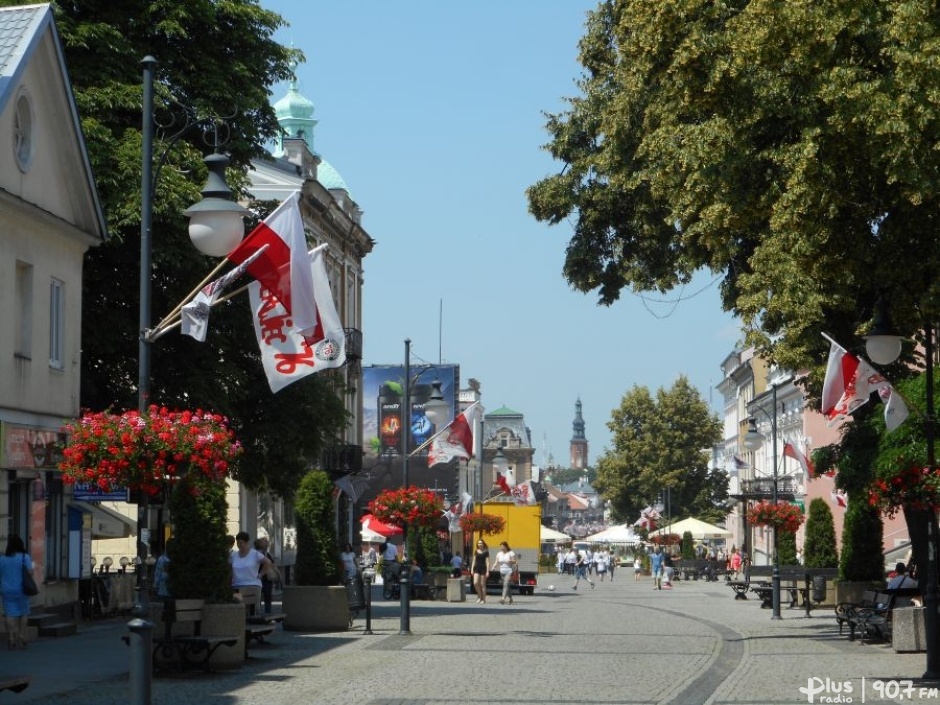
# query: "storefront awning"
{"type": "Point", "coordinates": [107, 523]}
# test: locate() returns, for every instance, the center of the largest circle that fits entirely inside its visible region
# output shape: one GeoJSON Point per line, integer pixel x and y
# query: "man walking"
{"type": "Point", "coordinates": [656, 568]}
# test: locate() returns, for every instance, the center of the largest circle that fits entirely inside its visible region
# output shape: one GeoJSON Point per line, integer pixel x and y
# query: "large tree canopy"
{"type": "Point", "coordinates": [662, 444]}
{"type": "Point", "coordinates": [220, 60]}
{"type": "Point", "coordinates": [789, 146]}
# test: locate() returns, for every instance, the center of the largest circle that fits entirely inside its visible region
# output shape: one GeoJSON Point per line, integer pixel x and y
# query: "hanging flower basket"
{"type": "Point", "coordinates": [666, 539]}
{"type": "Point", "coordinates": [145, 451]}
{"type": "Point", "coordinates": [783, 516]}
{"type": "Point", "coordinates": [481, 523]}
{"type": "Point", "coordinates": [915, 486]}
{"type": "Point", "coordinates": [407, 506]}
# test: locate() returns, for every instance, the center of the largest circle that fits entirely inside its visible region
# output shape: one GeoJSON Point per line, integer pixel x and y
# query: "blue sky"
{"type": "Point", "coordinates": [432, 112]}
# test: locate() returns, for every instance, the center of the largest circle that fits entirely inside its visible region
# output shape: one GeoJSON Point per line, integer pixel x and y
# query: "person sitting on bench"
{"type": "Point", "coordinates": [901, 579]}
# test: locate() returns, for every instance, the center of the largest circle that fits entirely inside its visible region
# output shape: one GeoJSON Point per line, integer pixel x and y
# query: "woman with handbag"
{"type": "Point", "coordinates": [15, 565]}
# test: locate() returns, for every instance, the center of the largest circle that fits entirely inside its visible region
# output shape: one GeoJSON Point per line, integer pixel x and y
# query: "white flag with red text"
{"type": "Point", "coordinates": [849, 383]}
{"type": "Point", "coordinates": [791, 451]}
{"type": "Point", "coordinates": [283, 268]}
{"type": "Point", "coordinates": [456, 440]}
{"type": "Point", "coordinates": [523, 493]}
{"type": "Point", "coordinates": [286, 354]}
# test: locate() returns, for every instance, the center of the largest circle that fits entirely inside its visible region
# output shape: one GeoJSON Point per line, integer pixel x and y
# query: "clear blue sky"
{"type": "Point", "coordinates": [432, 113]}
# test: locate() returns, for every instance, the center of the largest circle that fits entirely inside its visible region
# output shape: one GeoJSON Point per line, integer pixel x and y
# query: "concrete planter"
{"type": "Point", "coordinates": [852, 591]}
{"type": "Point", "coordinates": [907, 631]}
{"type": "Point", "coordinates": [315, 608]}
{"type": "Point", "coordinates": [456, 590]}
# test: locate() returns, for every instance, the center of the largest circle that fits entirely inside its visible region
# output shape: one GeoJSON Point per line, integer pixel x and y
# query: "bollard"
{"type": "Point", "coordinates": [405, 587]}
{"type": "Point", "coordinates": [141, 676]}
{"type": "Point", "coordinates": [367, 579]}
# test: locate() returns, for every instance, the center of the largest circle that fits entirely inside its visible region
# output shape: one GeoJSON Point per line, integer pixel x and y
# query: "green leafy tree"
{"type": "Point", "coordinates": [658, 444]}
{"type": "Point", "coordinates": [221, 59]}
{"type": "Point", "coordinates": [318, 560]}
{"type": "Point", "coordinates": [819, 543]}
{"type": "Point", "coordinates": [786, 147]}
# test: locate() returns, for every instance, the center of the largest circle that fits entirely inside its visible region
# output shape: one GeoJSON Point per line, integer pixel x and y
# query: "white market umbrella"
{"type": "Point", "coordinates": [700, 530]}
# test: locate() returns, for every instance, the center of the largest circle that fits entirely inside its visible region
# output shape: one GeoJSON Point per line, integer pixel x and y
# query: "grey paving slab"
{"type": "Point", "coordinates": [619, 644]}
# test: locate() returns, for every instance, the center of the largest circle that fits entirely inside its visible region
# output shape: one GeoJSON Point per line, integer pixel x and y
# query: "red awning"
{"type": "Point", "coordinates": [373, 524]}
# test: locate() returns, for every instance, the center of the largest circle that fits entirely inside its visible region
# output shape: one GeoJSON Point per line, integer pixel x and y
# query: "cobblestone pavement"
{"type": "Point", "coordinates": [621, 643]}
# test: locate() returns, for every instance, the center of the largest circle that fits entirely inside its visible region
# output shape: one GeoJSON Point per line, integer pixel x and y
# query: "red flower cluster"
{"type": "Point", "coordinates": [143, 451]}
{"type": "Point", "coordinates": [407, 506]}
{"type": "Point", "coordinates": [918, 487]}
{"type": "Point", "coordinates": [481, 523]}
{"type": "Point", "coordinates": [783, 516]}
{"type": "Point", "coordinates": [666, 539]}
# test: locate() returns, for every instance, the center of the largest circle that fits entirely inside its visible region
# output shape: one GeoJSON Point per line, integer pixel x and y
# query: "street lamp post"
{"type": "Point", "coordinates": [752, 441]}
{"type": "Point", "coordinates": [883, 346]}
{"type": "Point", "coordinates": [435, 411]}
{"type": "Point", "coordinates": [216, 224]}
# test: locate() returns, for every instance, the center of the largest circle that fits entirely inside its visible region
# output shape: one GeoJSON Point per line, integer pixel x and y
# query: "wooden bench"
{"type": "Point", "coordinates": [187, 645]}
{"type": "Point", "coordinates": [16, 684]}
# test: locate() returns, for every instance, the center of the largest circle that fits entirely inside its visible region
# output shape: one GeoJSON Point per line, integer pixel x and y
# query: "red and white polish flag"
{"type": "Point", "coordinates": [284, 267]}
{"type": "Point", "coordinates": [791, 451]}
{"type": "Point", "coordinates": [850, 382]}
{"type": "Point", "coordinates": [456, 440]}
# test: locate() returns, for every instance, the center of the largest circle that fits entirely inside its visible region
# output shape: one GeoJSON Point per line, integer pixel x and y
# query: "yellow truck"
{"type": "Point", "coordinates": [523, 533]}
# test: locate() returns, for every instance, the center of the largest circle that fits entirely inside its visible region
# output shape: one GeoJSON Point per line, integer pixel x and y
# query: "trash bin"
{"type": "Point", "coordinates": [355, 592]}
{"type": "Point", "coordinates": [819, 588]}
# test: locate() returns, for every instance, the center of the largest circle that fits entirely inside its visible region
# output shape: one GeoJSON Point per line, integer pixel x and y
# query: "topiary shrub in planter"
{"type": "Point", "coordinates": [198, 553]}
{"type": "Point", "coordinates": [317, 548]}
{"type": "Point", "coordinates": [819, 544]}
{"type": "Point", "coordinates": [317, 602]}
{"type": "Point", "coordinates": [786, 547]}
{"type": "Point", "coordinates": [688, 547]}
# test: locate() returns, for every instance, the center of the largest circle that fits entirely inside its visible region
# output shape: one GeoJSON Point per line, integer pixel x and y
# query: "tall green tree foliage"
{"type": "Point", "coordinates": [819, 544]}
{"type": "Point", "coordinates": [657, 444]}
{"type": "Point", "coordinates": [220, 59]}
{"type": "Point", "coordinates": [786, 146]}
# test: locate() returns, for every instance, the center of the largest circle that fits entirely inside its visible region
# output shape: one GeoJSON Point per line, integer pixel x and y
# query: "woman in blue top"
{"type": "Point", "coordinates": [15, 603]}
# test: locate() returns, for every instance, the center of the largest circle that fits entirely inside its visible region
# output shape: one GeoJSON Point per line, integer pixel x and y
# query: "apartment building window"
{"type": "Point", "coordinates": [24, 311]}
{"type": "Point", "coordinates": [57, 324]}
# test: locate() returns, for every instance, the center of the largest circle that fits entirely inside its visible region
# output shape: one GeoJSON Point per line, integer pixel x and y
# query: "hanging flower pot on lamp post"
{"type": "Point", "coordinates": [782, 516]}
{"type": "Point", "coordinates": [406, 507]}
{"type": "Point", "coordinates": [193, 451]}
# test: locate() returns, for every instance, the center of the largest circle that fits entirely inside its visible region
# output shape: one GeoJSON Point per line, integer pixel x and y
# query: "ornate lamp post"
{"type": "Point", "coordinates": [216, 227]}
{"type": "Point", "coordinates": [752, 441]}
{"type": "Point", "coordinates": [883, 346]}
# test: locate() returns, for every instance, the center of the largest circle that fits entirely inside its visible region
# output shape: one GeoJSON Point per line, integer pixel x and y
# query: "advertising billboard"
{"type": "Point", "coordinates": [383, 400]}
